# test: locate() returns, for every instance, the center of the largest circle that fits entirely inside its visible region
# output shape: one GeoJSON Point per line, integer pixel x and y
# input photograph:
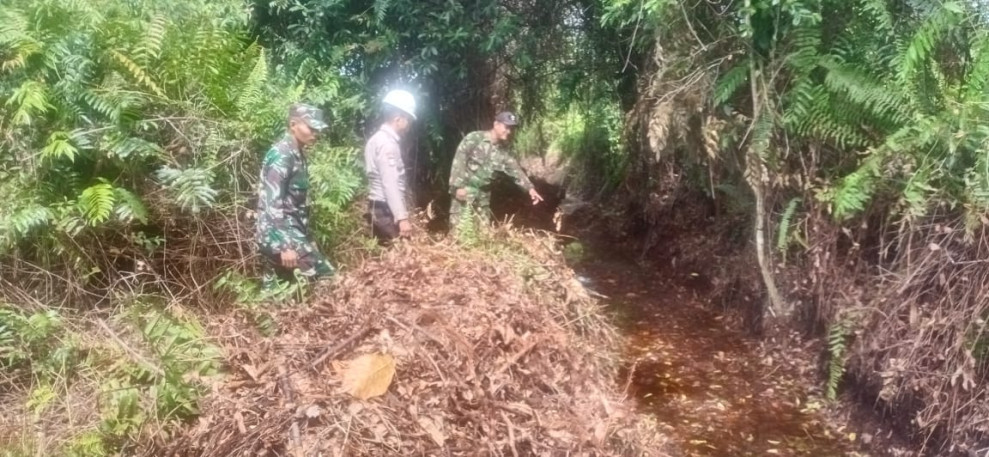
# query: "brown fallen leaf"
{"type": "Point", "coordinates": [368, 375]}
{"type": "Point", "coordinates": [432, 426]}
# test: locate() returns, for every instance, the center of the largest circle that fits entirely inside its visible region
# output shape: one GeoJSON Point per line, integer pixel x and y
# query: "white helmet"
{"type": "Point", "coordinates": [402, 100]}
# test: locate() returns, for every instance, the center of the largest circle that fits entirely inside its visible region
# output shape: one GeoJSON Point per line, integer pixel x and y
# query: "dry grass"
{"type": "Point", "coordinates": [923, 338]}
{"type": "Point", "coordinates": [499, 352]}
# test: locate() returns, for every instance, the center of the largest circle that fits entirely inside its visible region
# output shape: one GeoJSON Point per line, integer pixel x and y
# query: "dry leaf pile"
{"type": "Point", "coordinates": [430, 350]}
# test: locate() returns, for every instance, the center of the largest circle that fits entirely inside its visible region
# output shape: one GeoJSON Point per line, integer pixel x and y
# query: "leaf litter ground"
{"type": "Point", "coordinates": [431, 349]}
{"type": "Point", "coordinates": [719, 392]}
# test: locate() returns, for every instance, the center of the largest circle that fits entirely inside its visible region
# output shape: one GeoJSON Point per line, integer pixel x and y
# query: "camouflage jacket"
{"type": "Point", "coordinates": [476, 161]}
{"type": "Point", "coordinates": [283, 215]}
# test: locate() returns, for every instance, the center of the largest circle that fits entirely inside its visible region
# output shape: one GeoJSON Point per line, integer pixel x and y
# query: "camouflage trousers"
{"type": "Point", "coordinates": [311, 264]}
{"type": "Point", "coordinates": [478, 202]}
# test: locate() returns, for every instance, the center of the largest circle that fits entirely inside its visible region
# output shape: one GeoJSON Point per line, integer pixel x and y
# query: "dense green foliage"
{"type": "Point", "coordinates": [131, 137]}
{"type": "Point", "coordinates": [125, 117]}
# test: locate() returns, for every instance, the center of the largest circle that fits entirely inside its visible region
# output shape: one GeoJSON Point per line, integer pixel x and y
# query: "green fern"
{"type": "Point", "coordinates": [150, 48]}
{"type": "Point", "coordinates": [14, 37]}
{"type": "Point", "coordinates": [837, 347]}
{"type": "Point", "coordinates": [22, 221]}
{"type": "Point", "coordinates": [806, 41]}
{"type": "Point", "coordinates": [252, 91]}
{"type": "Point", "coordinates": [864, 91]}
{"type": "Point", "coordinates": [29, 100]}
{"type": "Point", "coordinates": [762, 134]}
{"type": "Point", "coordinates": [192, 188]}
{"type": "Point", "coordinates": [784, 225]}
{"type": "Point", "coordinates": [138, 73]}
{"type": "Point", "coordinates": [856, 189]}
{"type": "Point", "coordinates": [102, 105]}
{"type": "Point", "coordinates": [918, 50]}
{"type": "Point", "coordinates": [130, 207]}
{"type": "Point", "coordinates": [59, 146]}
{"type": "Point", "coordinates": [878, 13]}
{"type": "Point", "coordinates": [730, 82]}
{"type": "Point", "coordinates": [71, 224]}
{"type": "Point", "coordinates": [127, 147]}
{"type": "Point", "coordinates": [97, 202]}
{"type": "Point", "coordinates": [381, 9]}
{"type": "Point", "coordinates": [915, 196]}
{"type": "Point", "coordinates": [468, 227]}
{"type": "Point", "coordinates": [977, 81]}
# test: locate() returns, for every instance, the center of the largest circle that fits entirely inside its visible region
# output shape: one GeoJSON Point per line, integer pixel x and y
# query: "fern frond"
{"type": "Point", "coordinates": [150, 48]}
{"type": "Point", "coordinates": [918, 50]}
{"type": "Point", "coordinates": [15, 38]}
{"type": "Point", "coordinates": [59, 146]}
{"type": "Point", "coordinates": [800, 103]}
{"type": "Point", "coordinates": [837, 347]}
{"type": "Point", "coordinates": [381, 9]}
{"type": "Point", "coordinates": [878, 13]}
{"type": "Point", "coordinates": [130, 207]}
{"type": "Point", "coordinates": [23, 220]}
{"type": "Point", "coordinates": [762, 134]}
{"type": "Point", "coordinates": [806, 41]}
{"type": "Point", "coordinates": [879, 99]}
{"type": "Point", "coordinates": [784, 225]}
{"type": "Point", "coordinates": [137, 73]}
{"type": "Point", "coordinates": [192, 187]}
{"type": "Point", "coordinates": [13, 26]}
{"type": "Point", "coordinates": [834, 119]}
{"type": "Point", "coordinates": [102, 105]}
{"type": "Point", "coordinates": [856, 189]}
{"type": "Point", "coordinates": [252, 91]}
{"type": "Point", "coordinates": [730, 82]}
{"type": "Point", "coordinates": [127, 147]}
{"type": "Point", "coordinates": [915, 195]}
{"type": "Point", "coordinates": [71, 224]}
{"type": "Point", "coordinates": [96, 203]}
{"type": "Point", "coordinates": [29, 100]}
{"type": "Point", "coordinates": [977, 182]}
{"type": "Point", "coordinates": [976, 82]}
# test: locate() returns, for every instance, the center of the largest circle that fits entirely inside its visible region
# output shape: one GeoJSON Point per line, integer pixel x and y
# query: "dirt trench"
{"type": "Point", "coordinates": [718, 389]}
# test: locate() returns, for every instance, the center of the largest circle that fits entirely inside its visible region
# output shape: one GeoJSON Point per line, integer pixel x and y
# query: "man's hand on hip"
{"type": "Point", "coordinates": [461, 194]}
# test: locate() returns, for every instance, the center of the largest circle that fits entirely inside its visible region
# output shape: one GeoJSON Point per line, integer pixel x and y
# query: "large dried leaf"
{"type": "Point", "coordinates": [368, 375]}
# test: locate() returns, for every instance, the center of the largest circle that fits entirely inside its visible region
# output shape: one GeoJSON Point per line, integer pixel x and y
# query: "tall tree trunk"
{"type": "Point", "coordinates": [755, 176]}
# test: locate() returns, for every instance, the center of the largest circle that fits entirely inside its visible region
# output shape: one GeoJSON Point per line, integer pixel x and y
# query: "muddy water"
{"type": "Point", "coordinates": [716, 391]}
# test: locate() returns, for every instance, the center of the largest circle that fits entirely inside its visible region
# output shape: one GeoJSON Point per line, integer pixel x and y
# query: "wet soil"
{"type": "Point", "coordinates": [720, 392]}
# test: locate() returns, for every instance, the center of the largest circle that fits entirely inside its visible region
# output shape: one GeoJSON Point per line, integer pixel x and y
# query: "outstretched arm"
{"type": "Point", "coordinates": [511, 167]}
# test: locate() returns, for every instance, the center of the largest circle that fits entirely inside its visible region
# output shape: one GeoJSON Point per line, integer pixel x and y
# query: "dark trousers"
{"type": "Point", "coordinates": [382, 221]}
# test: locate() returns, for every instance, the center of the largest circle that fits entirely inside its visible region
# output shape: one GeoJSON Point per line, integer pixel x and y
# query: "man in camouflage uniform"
{"type": "Point", "coordinates": [479, 156]}
{"type": "Point", "coordinates": [283, 213]}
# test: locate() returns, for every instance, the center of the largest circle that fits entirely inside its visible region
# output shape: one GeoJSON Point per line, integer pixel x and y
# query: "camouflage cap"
{"type": "Point", "coordinates": [312, 116]}
{"type": "Point", "coordinates": [507, 118]}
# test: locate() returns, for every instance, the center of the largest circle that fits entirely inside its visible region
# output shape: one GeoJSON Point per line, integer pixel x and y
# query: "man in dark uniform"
{"type": "Point", "coordinates": [283, 213]}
